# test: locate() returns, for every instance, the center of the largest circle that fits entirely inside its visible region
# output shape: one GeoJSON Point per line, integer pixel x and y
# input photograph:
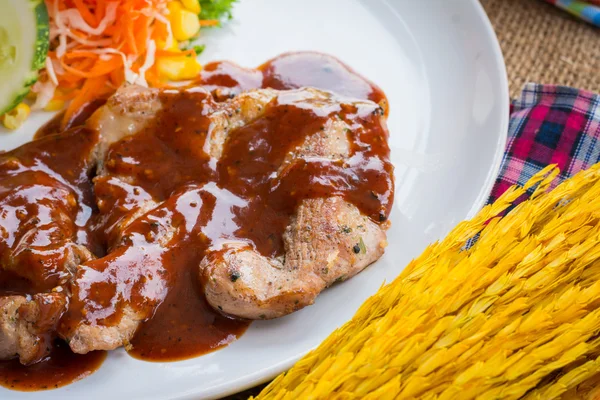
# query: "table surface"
{"type": "Point", "coordinates": [540, 44]}
{"type": "Point", "coordinates": [543, 44]}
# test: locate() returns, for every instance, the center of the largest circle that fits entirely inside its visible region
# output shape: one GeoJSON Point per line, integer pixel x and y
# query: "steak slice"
{"type": "Point", "coordinates": [327, 240]}
{"type": "Point", "coordinates": [27, 325]}
{"type": "Point", "coordinates": [46, 202]}
{"type": "Point", "coordinates": [114, 294]}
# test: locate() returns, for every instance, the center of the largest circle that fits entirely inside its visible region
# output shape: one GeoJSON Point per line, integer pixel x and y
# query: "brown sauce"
{"type": "Point", "coordinates": [225, 79]}
{"type": "Point", "coordinates": [58, 123]}
{"type": "Point", "coordinates": [203, 204]}
{"type": "Point", "coordinates": [295, 70]}
{"type": "Point", "coordinates": [184, 325]}
{"type": "Point", "coordinates": [60, 368]}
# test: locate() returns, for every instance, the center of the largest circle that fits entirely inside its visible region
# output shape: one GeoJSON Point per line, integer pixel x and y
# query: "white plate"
{"type": "Point", "coordinates": [441, 67]}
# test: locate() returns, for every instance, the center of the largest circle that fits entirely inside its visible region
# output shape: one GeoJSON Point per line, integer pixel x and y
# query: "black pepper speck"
{"type": "Point", "coordinates": [235, 276]}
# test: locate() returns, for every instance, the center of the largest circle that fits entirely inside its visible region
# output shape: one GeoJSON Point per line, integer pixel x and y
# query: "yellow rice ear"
{"type": "Point", "coordinates": [517, 314]}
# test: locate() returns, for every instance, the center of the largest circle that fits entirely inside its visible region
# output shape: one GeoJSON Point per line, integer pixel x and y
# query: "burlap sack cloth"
{"type": "Point", "coordinates": [540, 44]}
{"type": "Point", "coordinates": [545, 45]}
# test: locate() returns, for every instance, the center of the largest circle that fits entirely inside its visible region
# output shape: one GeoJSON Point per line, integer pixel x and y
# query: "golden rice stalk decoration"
{"type": "Point", "coordinates": [517, 315]}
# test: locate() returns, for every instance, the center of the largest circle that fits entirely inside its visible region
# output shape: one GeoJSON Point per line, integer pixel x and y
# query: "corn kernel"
{"type": "Point", "coordinates": [185, 24]}
{"type": "Point", "coordinates": [54, 105]}
{"type": "Point", "coordinates": [174, 6]}
{"type": "Point", "coordinates": [192, 5]}
{"type": "Point", "coordinates": [165, 45]}
{"type": "Point", "coordinates": [174, 45]}
{"type": "Point", "coordinates": [15, 117]}
{"type": "Point", "coordinates": [178, 68]}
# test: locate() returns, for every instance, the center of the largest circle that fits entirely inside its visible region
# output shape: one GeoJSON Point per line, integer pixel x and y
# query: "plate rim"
{"type": "Point", "coordinates": [493, 172]}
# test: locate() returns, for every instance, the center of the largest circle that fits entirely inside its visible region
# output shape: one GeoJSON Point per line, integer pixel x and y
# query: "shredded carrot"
{"type": "Point", "coordinates": [106, 43]}
{"type": "Point", "coordinates": [100, 10]}
{"type": "Point", "coordinates": [92, 88]}
{"type": "Point", "coordinates": [131, 38]}
{"type": "Point", "coordinates": [73, 55]}
{"type": "Point", "coordinates": [117, 77]}
{"type": "Point", "coordinates": [153, 79]}
{"type": "Point", "coordinates": [64, 96]}
{"type": "Point", "coordinates": [85, 13]}
{"type": "Point", "coordinates": [209, 22]}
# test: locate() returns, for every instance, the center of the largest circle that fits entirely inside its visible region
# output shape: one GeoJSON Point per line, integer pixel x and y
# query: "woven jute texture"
{"type": "Point", "coordinates": [543, 44]}
{"type": "Point", "coordinates": [540, 44]}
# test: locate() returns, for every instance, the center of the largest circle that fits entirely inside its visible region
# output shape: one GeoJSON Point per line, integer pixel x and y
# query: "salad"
{"type": "Point", "coordinates": [62, 54]}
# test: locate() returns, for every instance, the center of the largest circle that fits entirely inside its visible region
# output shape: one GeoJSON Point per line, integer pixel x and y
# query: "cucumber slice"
{"type": "Point", "coordinates": [24, 39]}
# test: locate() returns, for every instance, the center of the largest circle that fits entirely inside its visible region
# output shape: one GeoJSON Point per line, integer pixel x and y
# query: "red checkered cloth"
{"type": "Point", "coordinates": [550, 125]}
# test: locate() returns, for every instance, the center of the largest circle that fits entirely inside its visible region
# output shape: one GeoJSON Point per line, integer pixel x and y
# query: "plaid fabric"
{"type": "Point", "coordinates": [550, 125]}
{"type": "Point", "coordinates": [588, 10]}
